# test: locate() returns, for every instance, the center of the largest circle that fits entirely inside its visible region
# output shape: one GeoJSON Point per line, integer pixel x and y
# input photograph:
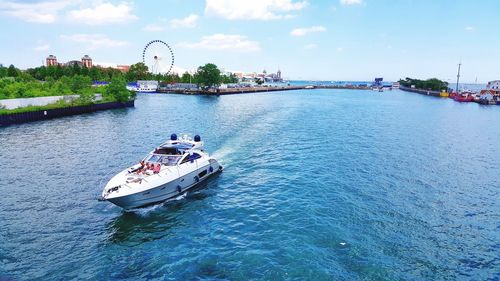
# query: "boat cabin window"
{"type": "Point", "coordinates": [153, 158]}
{"type": "Point", "coordinates": [168, 160]}
{"type": "Point", "coordinates": [167, 151]}
{"type": "Point", "coordinates": [191, 157]}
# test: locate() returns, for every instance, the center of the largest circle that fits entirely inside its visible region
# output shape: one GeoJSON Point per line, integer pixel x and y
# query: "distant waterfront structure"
{"type": "Point", "coordinates": [274, 77]}
{"type": "Point", "coordinates": [492, 85]}
{"type": "Point", "coordinates": [51, 60]}
{"type": "Point", "coordinates": [86, 61]}
{"type": "Point", "coordinates": [493, 88]}
{"type": "Point", "coordinates": [122, 67]}
{"type": "Point", "coordinates": [490, 95]}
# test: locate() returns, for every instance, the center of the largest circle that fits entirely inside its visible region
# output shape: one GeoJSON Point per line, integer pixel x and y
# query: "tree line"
{"type": "Point", "coordinates": [76, 79]}
{"type": "Point", "coordinates": [206, 75]}
{"type": "Point", "coordinates": [15, 83]}
{"type": "Point", "coordinates": [432, 84]}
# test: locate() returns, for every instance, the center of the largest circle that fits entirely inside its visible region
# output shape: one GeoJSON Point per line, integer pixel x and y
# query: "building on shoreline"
{"type": "Point", "coordinates": [251, 76]}
{"type": "Point", "coordinates": [85, 61]}
{"type": "Point", "coordinates": [51, 60]}
{"type": "Point", "coordinates": [491, 95]}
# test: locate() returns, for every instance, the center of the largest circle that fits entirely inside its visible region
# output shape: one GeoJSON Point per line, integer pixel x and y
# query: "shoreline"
{"type": "Point", "coordinates": [38, 115]}
{"type": "Point", "coordinates": [233, 91]}
{"type": "Point", "coordinates": [422, 92]}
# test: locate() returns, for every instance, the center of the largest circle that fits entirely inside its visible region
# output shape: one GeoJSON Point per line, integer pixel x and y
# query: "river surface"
{"type": "Point", "coordinates": [318, 185]}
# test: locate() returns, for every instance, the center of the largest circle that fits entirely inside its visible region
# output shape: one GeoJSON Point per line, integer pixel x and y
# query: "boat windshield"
{"type": "Point", "coordinates": [168, 160]}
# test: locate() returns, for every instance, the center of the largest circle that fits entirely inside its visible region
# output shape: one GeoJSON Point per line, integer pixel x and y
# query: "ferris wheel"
{"type": "Point", "coordinates": [158, 57]}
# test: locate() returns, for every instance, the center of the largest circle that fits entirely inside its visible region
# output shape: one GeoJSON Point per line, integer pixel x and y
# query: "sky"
{"type": "Point", "coordinates": [306, 39]}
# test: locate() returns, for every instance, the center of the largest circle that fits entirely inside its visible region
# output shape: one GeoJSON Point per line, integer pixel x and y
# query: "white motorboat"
{"type": "Point", "coordinates": [144, 86]}
{"type": "Point", "coordinates": [167, 172]}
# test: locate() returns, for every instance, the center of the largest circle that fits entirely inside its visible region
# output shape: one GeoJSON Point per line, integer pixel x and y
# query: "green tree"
{"type": "Point", "coordinates": [3, 71]}
{"type": "Point", "coordinates": [84, 71]}
{"type": "Point", "coordinates": [229, 79]}
{"type": "Point", "coordinates": [429, 84]}
{"type": "Point", "coordinates": [51, 72]}
{"type": "Point", "coordinates": [60, 88]}
{"type": "Point", "coordinates": [24, 77]}
{"type": "Point", "coordinates": [75, 69]}
{"type": "Point", "coordinates": [59, 72]}
{"type": "Point", "coordinates": [186, 78]}
{"type": "Point", "coordinates": [79, 83]}
{"type": "Point", "coordinates": [138, 71]}
{"type": "Point", "coordinates": [87, 96]}
{"type": "Point", "coordinates": [12, 71]}
{"type": "Point", "coordinates": [208, 75]}
{"type": "Point", "coordinates": [95, 74]}
{"type": "Point", "coordinates": [117, 89]}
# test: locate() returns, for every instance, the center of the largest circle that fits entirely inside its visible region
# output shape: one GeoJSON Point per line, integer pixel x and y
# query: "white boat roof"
{"type": "Point", "coordinates": [185, 142]}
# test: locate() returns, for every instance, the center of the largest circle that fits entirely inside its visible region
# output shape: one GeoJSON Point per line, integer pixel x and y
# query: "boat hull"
{"type": "Point", "coordinates": [464, 99]}
{"type": "Point", "coordinates": [167, 191]}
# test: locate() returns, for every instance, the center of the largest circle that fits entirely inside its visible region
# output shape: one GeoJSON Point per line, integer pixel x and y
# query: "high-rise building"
{"type": "Point", "coordinates": [87, 61]}
{"type": "Point", "coordinates": [51, 60]}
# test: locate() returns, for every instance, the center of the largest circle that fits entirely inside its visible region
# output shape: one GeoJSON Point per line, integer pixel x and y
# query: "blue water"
{"type": "Point", "coordinates": [318, 185]}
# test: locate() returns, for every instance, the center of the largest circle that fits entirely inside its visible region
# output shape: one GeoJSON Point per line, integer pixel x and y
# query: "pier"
{"type": "Point", "coordinates": [261, 89]}
{"type": "Point", "coordinates": [421, 91]}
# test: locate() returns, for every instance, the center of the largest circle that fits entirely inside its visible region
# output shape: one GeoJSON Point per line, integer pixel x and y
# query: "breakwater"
{"type": "Point", "coordinates": [23, 117]}
{"type": "Point", "coordinates": [230, 91]}
{"type": "Point", "coordinates": [342, 87]}
{"type": "Point", "coordinates": [246, 90]}
{"type": "Point", "coordinates": [422, 92]}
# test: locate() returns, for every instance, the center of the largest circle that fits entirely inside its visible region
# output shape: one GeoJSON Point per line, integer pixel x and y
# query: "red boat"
{"type": "Point", "coordinates": [462, 97]}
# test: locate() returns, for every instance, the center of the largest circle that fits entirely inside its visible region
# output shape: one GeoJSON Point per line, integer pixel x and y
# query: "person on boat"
{"type": "Point", "coordinates": [145, 169]}
{"type": "Point", "coordinates": [139, 169]}
{"type": "Point", "coordinates": [157, 168]}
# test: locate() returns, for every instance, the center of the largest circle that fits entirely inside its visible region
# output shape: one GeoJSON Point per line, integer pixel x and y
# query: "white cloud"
{"type": "Point", "coordinates": [310, 46]}
{"type": "Point", "coordinates": [469, 28]}
{"type": "Point", "coordinates": [351, 2]}
{"type": "Point", "coordinates": [42, 48]}
{"type": "Point", "coordinates": [226, 42]}
{"type": "Point", "coordinates": [187, 22]}
{"type": "Point", "coordinates": [41, 12]}
{"type": "Point", "coordinates": [253, 9]}
{"type": "Point", "coordinates": [103, 13]}
{"type": "Point", "coordinates": [306, 30]}
{"type": "Point", "coordinates": [94, 41]}
{"type": "Point", "coordinates": [154, 27]}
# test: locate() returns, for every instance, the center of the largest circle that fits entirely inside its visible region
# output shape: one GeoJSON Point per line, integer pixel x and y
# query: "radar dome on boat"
{"type": "Point", "coordinates": [173, 137]}
{"type": "Point", "coordinates": [197, 138]}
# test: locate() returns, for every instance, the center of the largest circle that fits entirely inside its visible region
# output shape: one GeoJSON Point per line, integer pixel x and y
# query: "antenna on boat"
{"type": "Point", "coordinates": [458, 75]}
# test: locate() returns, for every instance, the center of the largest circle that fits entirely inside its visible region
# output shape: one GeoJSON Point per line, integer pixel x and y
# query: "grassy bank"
{"type": "Point", "coordinates": [59, 104]}
{"type": "Point", "coordinates": [114, 92]}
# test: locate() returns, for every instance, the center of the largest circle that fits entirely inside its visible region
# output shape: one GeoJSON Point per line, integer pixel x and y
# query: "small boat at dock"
{"type": "Point", "coordinates": [462, 97]}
